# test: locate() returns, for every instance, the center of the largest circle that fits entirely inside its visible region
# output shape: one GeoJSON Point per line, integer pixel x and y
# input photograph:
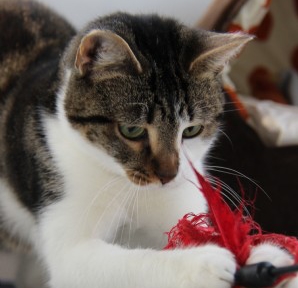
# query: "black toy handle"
{"type": "Point", "coordinates": [262, 274]}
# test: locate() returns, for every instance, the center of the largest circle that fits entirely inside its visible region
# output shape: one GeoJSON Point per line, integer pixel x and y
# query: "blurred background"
{"type": "Point", "coordinates": [80, 12]}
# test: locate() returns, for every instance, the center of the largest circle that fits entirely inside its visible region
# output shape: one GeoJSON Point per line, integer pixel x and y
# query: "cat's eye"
{"type": "Point", "coordinates": [192, 131]}
{"type": "Point", "coordinates": [132, 132]}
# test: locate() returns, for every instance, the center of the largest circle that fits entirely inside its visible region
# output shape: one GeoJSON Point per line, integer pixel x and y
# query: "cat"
{"type": "Point", "coordinates": [97, 128]}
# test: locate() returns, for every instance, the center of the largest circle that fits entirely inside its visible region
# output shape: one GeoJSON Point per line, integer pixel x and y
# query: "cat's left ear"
{"type": "Point", "coordinates": [104, 51]}
{"type": "Point", "coordinates": [219, 49]}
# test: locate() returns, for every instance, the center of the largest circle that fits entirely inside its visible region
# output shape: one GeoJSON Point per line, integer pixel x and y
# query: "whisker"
{"type": "Point", "coordinates": [236, 102]}
{"type": "Point", "coordinates": [132, 213]}
{"type": "Point", "coordinates": [127, 200]}
{"type": "Point", "coordinates": [210, 156]}
{"type": "Point", "coordinates": [121, 212]}
{"type": "Point", "coordinates": [232, 110]}
{"type": "Point", "coordinates": [131, 216]}
{"type": "Point", "coordinates": [215, 181]}
{"type": "Point", "coordinates": [226, 135]}
{"type": "Point", "coordinates": [105, 188]}
{"type": "Point", "coordinates": [226, 188]}
{"type": "Point", "coordinates": [141, 104]}
{"type": "Point", "coordinates": [116, 196]}
{"type": "Point", "coordinates": [130, 200]}
{"type": "Point", "coordinates": [137, 121]}
{"type": "Point", "coordinates": [199, 105]}
{"type": "Point", "coordinates": [138, 191]}
{"type": "Point", "coordinates": [146, 198]}
{"type": "Point", "coordinates": [230, 171]}
{"type": "Point", "coordinates": [226, 195]}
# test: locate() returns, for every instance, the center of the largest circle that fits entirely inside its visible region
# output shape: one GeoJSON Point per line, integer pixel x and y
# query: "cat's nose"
{"type": "Point", "coordinates": [165, 177]}
{"type": "Point", "coordinates": [165, 166]}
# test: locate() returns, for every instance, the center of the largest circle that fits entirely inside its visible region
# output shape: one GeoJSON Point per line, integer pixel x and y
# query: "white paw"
{"type": "Point", "coordinates": [291, 283]}
{"type": "Point", "coordinates": [207, 266]}
{"type": "Point", "coordinates": [270, 253]}
{"type": "Point", "coordinates": [277, 257]}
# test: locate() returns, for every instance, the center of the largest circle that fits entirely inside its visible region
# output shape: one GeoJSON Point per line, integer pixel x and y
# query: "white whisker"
{"type": "Point", "coordinates": [141, 104]}
{"type": "Point", "coordinates": [232, 192]}
{"type": "Point", "coordinates": [209, 156]}
{"type": "Point", "coordinates": [226, 135]}
{"type": "Point", "coordinates": [146, 199]}
{"type": "Point", "coordinates": [138, 191]}
{"type": "Point", "coordinates": [107, 208]}
{"type": "Point", "coordinates": [232, 110]}
{"type": "Point", "coordinates": [116, 213]}
{"type": "Point", "coordinates": [130, 201]}
{"type": "Point", "coordinates": [131, 216]}
{"type": "Point", "coordinates": [121, 212]}
{"type": "Point", "coordinates": [105, 188]}
{"type": "Point", "coordinates": [215, 183]}
{"type": "Point", "coordinates": [135, 196]}
{"type": "Point", "coordinates": [230, 171]}
{"type": "Point", "coordinates": [226, 188]}
{"type": "Point", "coordinates": [127, 200]}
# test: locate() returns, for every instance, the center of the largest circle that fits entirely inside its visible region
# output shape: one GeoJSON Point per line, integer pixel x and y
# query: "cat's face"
{"type": "Point", "coordinates": [143, 98]}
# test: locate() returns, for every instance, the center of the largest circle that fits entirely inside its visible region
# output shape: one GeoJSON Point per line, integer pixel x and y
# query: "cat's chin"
{"type": "Point", "coordinates": [153, 185]}
{"type": "Point", "coordinates": [141, 179]}
{"type": "Point", "coordinates": [159, 186]}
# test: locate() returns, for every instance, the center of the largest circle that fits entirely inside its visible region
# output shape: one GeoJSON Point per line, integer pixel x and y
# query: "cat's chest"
{"type": "Point", "coordinates": [123, 213]}
{"type": "Point", "coordinates": [153, 213]}
{"type": "Point", "coordinates": [101, 204]}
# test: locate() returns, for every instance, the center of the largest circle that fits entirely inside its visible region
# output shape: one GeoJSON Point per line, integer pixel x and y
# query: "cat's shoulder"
{"type": "Point", "coordinates": [29, 31]}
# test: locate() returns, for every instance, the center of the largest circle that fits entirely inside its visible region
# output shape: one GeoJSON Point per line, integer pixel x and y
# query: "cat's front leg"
{"type": "Point", "coordinates": [276, 256]}
{"type": "Point", "coordinates": [94, 264]}
{"type": "Point", "coordinates": [75, 260]}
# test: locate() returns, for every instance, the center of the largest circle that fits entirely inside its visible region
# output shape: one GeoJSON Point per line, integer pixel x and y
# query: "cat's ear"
{"type": "Point", "coordinates": [219, 49]}
{"type": "Point", "coordinates": [103, 51]}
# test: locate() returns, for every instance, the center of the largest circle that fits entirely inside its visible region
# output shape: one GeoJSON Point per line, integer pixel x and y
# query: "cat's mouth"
{"type": "Point", "coordinates": [142, 179]}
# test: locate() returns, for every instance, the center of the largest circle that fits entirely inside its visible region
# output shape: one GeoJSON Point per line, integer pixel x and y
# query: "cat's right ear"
{"type": "Point", "coordinates": [219, 49]}
{"type": "Point", "coordinates": [103, 51]}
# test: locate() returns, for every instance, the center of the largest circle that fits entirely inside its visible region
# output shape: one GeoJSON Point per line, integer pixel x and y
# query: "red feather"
{"type": "Point", "coordinates": [225, 227]}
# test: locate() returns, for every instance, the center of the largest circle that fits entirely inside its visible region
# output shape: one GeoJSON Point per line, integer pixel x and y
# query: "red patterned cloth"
{"type": "Point", "coordinates": [266, 68]}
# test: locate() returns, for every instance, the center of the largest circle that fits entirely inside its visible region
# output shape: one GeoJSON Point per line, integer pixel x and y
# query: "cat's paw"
{"type": "Point", "coordinates": [291, 283]}
{"type": "Point", "coordinates": [208, 266]}
{"type": "Point", "coordinates": [277, 257]}
{"type": "Point", "coordinates": [270, 253]}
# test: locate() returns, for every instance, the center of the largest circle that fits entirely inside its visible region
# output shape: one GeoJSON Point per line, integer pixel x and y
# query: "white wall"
{"type": "Point", "coordinates": [79, 12]}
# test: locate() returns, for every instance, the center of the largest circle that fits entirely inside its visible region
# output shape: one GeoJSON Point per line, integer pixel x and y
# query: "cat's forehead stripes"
{"type": "Point", "coordinates": [150, 72]}
{"type": "Point", "coordinates": [169, 87]}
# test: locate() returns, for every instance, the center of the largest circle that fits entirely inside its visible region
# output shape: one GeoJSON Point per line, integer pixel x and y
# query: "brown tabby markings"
{"type": "Point", "coordinates": [20, 26]}
{"type": "Point", "coordinates": [29, 33]}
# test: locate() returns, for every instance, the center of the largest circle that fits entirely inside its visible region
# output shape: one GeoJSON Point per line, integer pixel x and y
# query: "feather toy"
{"type": "Point", "coordinates": [226, 227]}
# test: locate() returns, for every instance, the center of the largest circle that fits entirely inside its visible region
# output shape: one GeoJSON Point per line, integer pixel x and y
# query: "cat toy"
{"type": "Point", "coordinates": [238, 233]}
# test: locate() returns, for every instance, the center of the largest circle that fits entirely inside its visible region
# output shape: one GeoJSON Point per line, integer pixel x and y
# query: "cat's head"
{"type": "Point", "coordinates": [140, 87]}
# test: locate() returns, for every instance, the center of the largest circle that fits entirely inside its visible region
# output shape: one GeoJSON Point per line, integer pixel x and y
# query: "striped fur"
{"type": "Point", "coordinates": [64, 96]}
